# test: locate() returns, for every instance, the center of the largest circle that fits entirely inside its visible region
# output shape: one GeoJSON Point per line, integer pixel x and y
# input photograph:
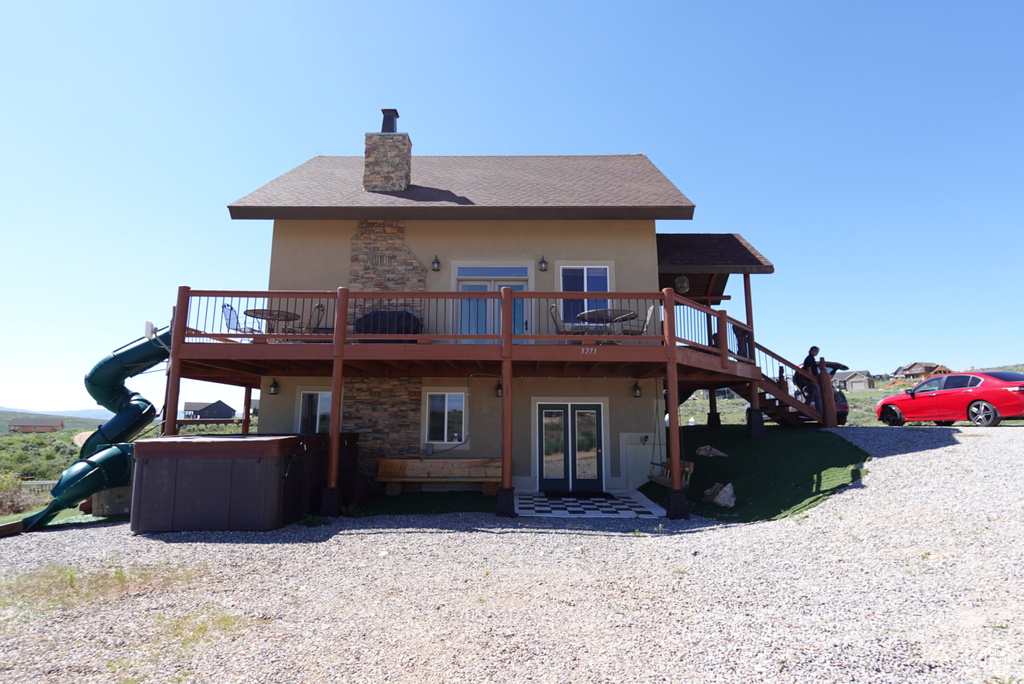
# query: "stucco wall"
{"type": "Point", "coordinates": [316, 254]}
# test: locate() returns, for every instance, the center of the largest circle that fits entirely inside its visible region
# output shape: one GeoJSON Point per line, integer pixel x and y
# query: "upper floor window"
{"type": "Point", "coordinates": [583, 279]}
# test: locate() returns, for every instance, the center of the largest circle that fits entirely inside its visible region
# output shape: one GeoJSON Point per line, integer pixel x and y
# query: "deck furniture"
{"type": "Point", "coordinates": [232, 323]}
{"type": "Point", "coordinates": [561, 328]}
{"type": "Point", "coordinates": [272, 317]}
{"type": "Point", "coordinates": [642, 328]}
{"type": "Point", "coordinates": [395, 471]}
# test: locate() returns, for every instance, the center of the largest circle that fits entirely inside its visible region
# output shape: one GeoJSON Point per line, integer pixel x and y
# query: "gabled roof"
{"type": "Point", "coordinates": [452, 188]}
{"type": "Point", "coordinates": [38, 422]}
{"type": "Point", "coordinates": [845, 375]}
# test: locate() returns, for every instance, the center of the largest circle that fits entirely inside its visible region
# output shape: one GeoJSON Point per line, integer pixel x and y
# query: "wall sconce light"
{"type": "Point", "coordinates": [543, 263]}
{"type": "Point", "coordinates": [637, 392]}
{"type": "Point", "coordinates": [497, 390]}
{"type": "Point", "coordinates": [273, 386]}
{"type": "Point", "coordinates": [435, 265]}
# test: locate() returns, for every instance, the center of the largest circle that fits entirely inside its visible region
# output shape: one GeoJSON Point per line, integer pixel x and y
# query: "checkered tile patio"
{"type": "Point", "coordinates": [620, 505]}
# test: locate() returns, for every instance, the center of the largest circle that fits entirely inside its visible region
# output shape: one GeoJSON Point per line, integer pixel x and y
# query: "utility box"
{"type": "Point", "coordinates": [116, 501]}
{"type": "Point", "coordinates": [226, 482]}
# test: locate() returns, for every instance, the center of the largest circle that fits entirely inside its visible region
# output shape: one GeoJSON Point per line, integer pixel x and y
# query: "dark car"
{"type": "Point", "coordinates": [842, 405]}
{"type": "Point", "coordinates": [983, 398]}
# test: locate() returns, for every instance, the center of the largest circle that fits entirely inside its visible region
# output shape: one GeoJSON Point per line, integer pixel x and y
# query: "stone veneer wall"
{"type": "Point", "coordinates": [381, 262]}
{"type": "Point", "coordinates": [384, 411]}
{"type": "Point", "coordinates": [386, 414]}
{"type": "Point", "coordinates": [387, 166]}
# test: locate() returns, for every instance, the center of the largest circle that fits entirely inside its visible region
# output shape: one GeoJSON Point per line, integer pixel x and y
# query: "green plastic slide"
{"type": "Point", "coordinates": [106, 457]}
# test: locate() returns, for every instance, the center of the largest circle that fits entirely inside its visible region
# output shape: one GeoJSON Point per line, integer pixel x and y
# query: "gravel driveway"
{"type": "Point", "coordinates": [916, 574]}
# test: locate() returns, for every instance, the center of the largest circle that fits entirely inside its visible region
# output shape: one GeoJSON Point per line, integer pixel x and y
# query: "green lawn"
{"type": "Point", "coordinates": [788, 471]}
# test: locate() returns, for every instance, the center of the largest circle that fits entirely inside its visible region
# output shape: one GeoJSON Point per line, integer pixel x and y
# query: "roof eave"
{"type": "Point", "coordinates": [462, 213]}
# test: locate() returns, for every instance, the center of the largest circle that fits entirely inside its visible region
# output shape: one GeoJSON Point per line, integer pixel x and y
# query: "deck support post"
{"type": "Point", "coordinates": [246, 410]}
{"type": "Point", "coordinates": [330, 503]}
{"type": "Point", "coordinates": [714, 417]}
{"type": "Point", "coordinates": [506, 493]}
{"type": "Point", "coordinates": [828, 397]}
{"type": "Point", "coordinates": [676, 508]}
{"type": "Point", "coordinates": [179, 319]}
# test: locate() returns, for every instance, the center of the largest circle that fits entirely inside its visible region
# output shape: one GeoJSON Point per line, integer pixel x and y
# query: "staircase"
{"type": "Point", "coordinates": [784, 409]}
{"type": "Point", "coordinates": [775, 400]}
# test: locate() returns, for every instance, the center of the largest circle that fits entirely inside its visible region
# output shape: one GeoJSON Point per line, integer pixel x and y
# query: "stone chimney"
{"type": "Point", "coordinates": [388, 163]}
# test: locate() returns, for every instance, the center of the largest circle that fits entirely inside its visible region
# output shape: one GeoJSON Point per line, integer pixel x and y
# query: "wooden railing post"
{"type": "Point", "coordinates": [723, 336]}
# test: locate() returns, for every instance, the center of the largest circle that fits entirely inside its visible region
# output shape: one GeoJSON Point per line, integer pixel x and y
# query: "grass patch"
{"type": "Point", "coordinates": [62, 586]}
{"type": "Point", "coordinates": [68, 515]}
{"type": "Point", "coordinates": [428, 503]}
{"type": "Point", "coordinates": [784, 473]}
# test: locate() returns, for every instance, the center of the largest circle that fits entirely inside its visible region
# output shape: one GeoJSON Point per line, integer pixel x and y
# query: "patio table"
{"type": "Point", "coordinates": [272, 317]}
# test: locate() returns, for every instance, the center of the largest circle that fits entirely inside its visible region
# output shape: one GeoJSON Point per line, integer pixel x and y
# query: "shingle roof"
{"type": "Point", "coordinates": [39, 422]}
{"type": "Point", "coordinates": [447, 188]}
{"type": "Point", "coordinates": [709, 253]}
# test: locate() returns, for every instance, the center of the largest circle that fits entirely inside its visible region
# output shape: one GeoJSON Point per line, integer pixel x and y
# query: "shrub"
{"type": "Point", "coordinates": [13, 497]}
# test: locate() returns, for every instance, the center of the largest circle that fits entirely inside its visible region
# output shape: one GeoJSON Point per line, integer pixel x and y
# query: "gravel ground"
{"type": "Point", "coordinates": [916, 574]}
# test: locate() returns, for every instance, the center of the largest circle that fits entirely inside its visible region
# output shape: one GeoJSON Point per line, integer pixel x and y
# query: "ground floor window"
{"type": "Point", "coordinates": [315, 412]}
{"type": "Point", "coordinates": [446, 417]}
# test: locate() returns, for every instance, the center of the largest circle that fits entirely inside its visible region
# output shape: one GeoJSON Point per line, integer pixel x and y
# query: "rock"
{"type": "Point", "coordinates": [725, 498]}
{"type": "Point", "coordinates": [711, 492]}
{"type": "Point", "coordinates": [708, 450]}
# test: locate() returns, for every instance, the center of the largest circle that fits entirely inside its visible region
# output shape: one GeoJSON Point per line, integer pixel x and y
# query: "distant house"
{"type": "Point", "coordinates": [35, 425]}
{"type": "Point", "coordinates": [855, 381]}
{"type": "Point", "coordinates": [920, 370]}
{"type": "Point", "coordinates": [218, 410]}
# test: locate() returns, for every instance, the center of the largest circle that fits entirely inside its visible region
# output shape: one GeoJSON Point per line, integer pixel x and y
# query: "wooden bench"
{"type": "Point", "coordinates": [395, 471]}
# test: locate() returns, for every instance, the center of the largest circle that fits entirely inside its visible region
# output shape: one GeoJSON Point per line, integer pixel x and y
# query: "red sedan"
{"type": "Point", "coordinates": [983, 398]}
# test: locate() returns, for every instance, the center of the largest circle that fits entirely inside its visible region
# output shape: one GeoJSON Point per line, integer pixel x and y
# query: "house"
{"type": "Point", "coordinates": [919, 370]}
{"type": "Point", "coordinates": [521, 312]}
{"type": "Point", "coordinates": [35, 425]}
{"type": "Point", "coordinates": [854, 381]}
{"type": "Point", "coordinates": [217, 410]}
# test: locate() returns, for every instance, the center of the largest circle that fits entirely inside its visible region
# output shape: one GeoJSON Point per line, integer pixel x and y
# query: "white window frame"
{"type": "Point", "coordinates": [562, 265]}
{"type": "Point", "coordinates": [425, 412]}
{"type": "Point", "coordinates": [300, 393]}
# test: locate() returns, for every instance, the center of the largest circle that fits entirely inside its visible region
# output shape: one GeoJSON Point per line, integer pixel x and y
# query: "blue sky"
{"type": "Point", "coordinates": [872, 151]}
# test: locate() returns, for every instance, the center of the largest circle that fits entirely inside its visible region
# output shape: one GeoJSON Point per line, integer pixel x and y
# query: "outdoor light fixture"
{"type": "Point", "coordinates": [497, 390]}
{"type": "Point", "coordinates": [637, 392]}
{"type": "Point", "coordinates": [273, 386]}
{"type": "Point", "coordinates": [543, 263]}
{"type": "Point", "coordinates": [435, 265]}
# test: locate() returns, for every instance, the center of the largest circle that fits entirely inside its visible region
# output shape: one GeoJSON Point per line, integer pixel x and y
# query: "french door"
{"type": "Point", "coordinates": [483, 316]}
{"type": "Point", "coordinates": [570, 448]}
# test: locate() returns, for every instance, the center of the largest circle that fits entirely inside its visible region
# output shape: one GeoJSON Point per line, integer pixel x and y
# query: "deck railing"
{"type": "Point", "coordinates": [215, 316]}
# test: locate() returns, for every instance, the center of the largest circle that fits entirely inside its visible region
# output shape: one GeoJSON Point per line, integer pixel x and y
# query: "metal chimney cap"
{"type": "Point", "coordinates": [389, 126]}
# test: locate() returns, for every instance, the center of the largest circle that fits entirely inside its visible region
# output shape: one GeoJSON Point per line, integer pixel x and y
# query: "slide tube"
{"type": "Point", "coordinates": [105, 458]}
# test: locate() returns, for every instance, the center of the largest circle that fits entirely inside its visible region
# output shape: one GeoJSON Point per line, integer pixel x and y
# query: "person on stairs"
{"type": "Point", "coordinates": [812, 391]}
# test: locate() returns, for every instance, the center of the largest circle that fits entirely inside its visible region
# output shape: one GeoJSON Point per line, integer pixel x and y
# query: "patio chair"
{"type": "Point", "coordinates": [311, 326]}
{"type": "Point", "coordinates": [232, 323]}
{"type": "Point", "coordinates": [642, 328]}
{"type": "Point", "coordinates": [561, 328]}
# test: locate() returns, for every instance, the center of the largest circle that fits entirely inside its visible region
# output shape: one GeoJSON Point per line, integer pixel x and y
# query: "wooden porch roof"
{"type": "Point", "coordinates": [707, 260]}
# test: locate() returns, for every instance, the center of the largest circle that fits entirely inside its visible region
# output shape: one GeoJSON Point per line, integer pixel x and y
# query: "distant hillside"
{"type": "Point", "coordinates": [1017, 368]}
{"type": "Point", "coordinates": [70, 422]}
